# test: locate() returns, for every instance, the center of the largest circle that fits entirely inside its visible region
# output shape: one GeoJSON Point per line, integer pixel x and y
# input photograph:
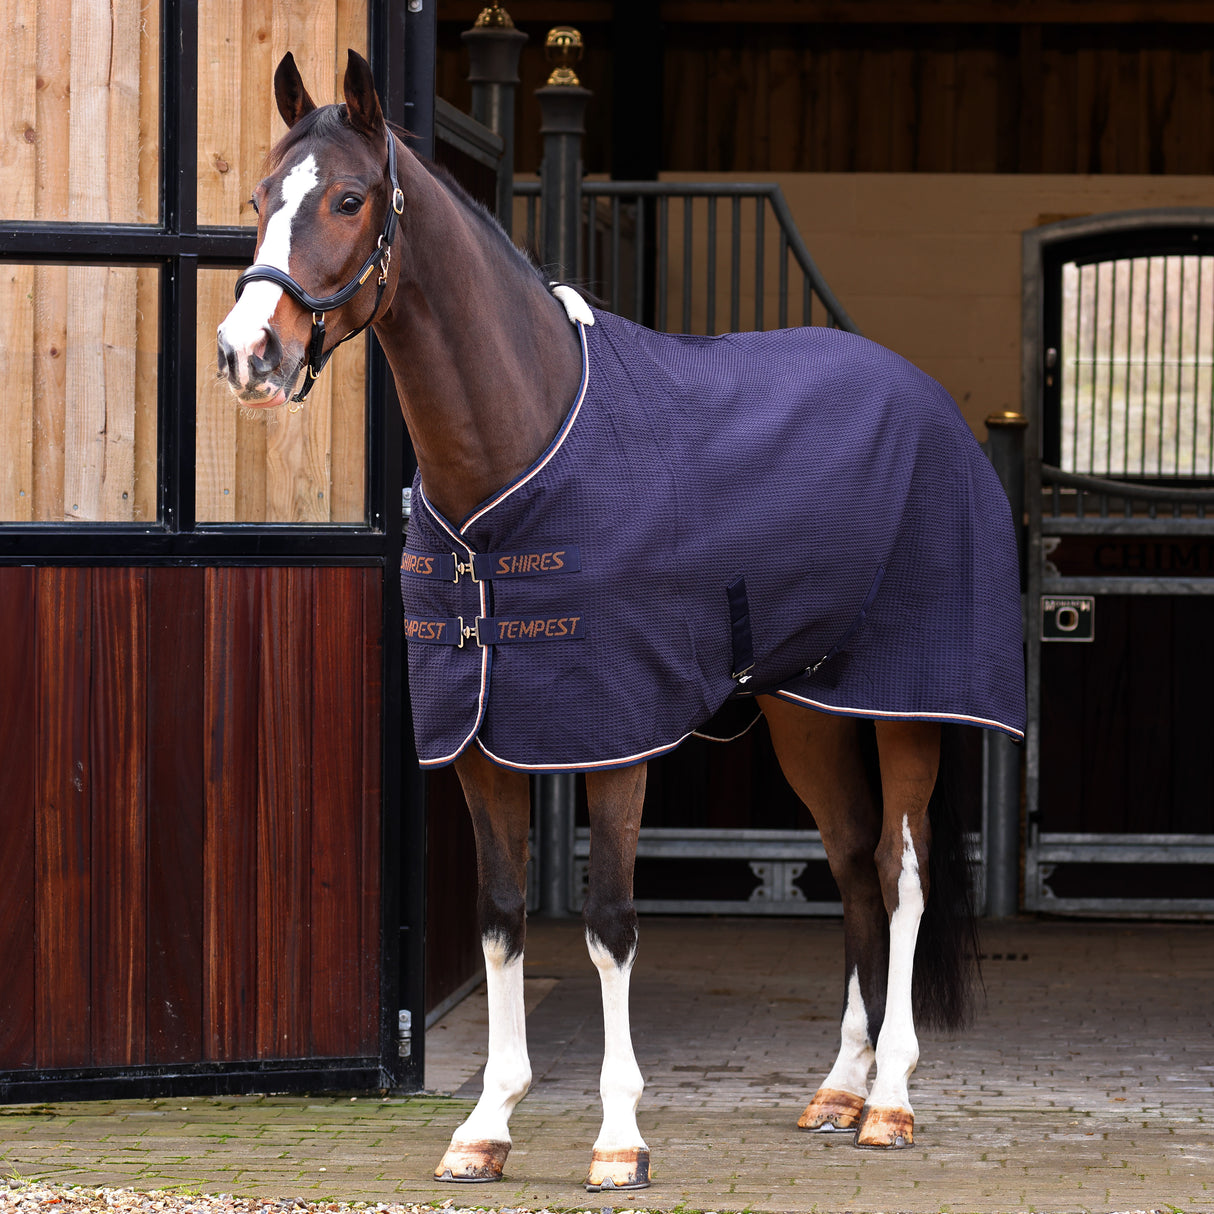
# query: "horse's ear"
{"type": "Point", "coordinates": [362, 103]}
{"type": "Point", "coordinates": [289, 92]}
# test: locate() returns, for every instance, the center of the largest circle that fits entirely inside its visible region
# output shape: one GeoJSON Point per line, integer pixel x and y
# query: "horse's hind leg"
{"type": "Point", "coordinates": [620, 1159]}
{"type": "Point", "coordinates": [909, 755]}
{"type": "Point", "coordinates": [499, 802]}
{"type": "Point", "coordinates": [822, 758]}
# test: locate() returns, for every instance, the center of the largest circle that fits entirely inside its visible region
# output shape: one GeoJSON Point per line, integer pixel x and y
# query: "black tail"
{"type": "Point", "coordinates": [947, 976]}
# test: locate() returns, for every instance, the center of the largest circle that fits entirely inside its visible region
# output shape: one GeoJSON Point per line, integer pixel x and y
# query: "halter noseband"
{"type": "Point", "coordinates": [381, 256]}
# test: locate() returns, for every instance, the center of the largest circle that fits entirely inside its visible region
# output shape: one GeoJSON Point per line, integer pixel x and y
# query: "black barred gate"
{"type": "Point", "coordinates": [1119, 393]}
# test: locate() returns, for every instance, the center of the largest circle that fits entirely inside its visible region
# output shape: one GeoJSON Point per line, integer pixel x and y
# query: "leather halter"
{"type": "Point", "coordinates": [380, 256]}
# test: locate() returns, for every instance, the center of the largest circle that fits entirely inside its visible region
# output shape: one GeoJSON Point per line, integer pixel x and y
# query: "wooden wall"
{"type": "Point", "coordinates": [239, 47]}
{"type": "Point", "coordinates": [79, 111]}
{"type": "Point", "coordinates": [1001, 98]}
{"type": "Point", "coordinates": [79, 358]}
{"type": "Point", "coordinates": [941, 86]}
{"type": "Point", "coordinates": [191, 814]}
{"type": "Point", "coordinates": [79, 116]}
{"type": "Point", "coordinates": [269, 466]}
{"type": "Point", "coordinates": [79, 142]}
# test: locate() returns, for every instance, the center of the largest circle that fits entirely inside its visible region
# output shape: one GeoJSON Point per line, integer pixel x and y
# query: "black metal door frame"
{"type": "Point", "coordinates": [401, 38]}
{"type": "Point", "coordinates": [1064, 504]}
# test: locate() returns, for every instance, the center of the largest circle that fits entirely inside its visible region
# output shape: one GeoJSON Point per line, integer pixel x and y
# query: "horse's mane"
{"type": "Point", "coordinates": [328, 121]}
{"type": "Point", "coordinates": [481, 213]}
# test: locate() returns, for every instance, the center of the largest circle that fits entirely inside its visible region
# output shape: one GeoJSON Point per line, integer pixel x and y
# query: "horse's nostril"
{"type": "Point", "coordinates": [266, 354]}
{"type": "Point", "coordinates": [225, 358]}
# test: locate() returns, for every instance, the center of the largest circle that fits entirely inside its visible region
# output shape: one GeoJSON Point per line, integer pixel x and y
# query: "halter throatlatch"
{"type": "Point", "coordinates": [381, 257]}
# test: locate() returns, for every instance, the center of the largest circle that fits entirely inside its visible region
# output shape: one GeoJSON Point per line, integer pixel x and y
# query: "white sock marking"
{"type": "Point", "coordinates": [620, 1083]}
{"type": "Point", "coordinates": [244, 326]}
{"type": "Point", "coordinates": [855, 1059]}
{"type": "Point", "coordinates": [897, 1045]}
{"type": "Point", "coordinates": [508, 1070]}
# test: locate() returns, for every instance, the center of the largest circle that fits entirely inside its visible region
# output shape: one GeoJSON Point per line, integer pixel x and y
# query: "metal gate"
{"type": "Point", "coordinates": [1119, 394]}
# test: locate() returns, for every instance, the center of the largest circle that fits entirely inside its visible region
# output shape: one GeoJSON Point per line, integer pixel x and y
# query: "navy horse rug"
{"type": "Point", "coordinates": [800, 512]}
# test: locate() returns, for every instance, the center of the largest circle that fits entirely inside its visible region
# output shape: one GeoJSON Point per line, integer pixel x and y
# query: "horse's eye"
{"type": "Point", "coordinates": [253, 204]}
{"type": "Point", "coordinates": [351, 204]}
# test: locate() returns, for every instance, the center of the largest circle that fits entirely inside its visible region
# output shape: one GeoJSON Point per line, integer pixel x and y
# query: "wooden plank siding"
{"type": "Point", "coordinates": [272, 466]}
{"type": "Point", "coordinates": [939, 99]}
{"type": "Point", "coordinates": [808, 87]}
{"type": "Point", "coordinates": [80, 142]}
{"type": "Point", "coordinates": [18, 829]}
{"type": "Point", "coordinates": [192, 811]}
{"type": "Point", "coordinates": [176, 817]}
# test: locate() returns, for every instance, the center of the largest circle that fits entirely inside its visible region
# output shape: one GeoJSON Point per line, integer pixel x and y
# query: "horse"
{"type": "Point", "coordinates": [356, 232]}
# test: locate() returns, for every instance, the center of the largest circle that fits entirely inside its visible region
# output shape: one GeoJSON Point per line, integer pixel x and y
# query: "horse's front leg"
{"type": "Point", "coordinates": [620, 1159]}
{"type": "Point", "coordinates": [499, 801]}
{"type": "Point", "coordinates": [909, 755]}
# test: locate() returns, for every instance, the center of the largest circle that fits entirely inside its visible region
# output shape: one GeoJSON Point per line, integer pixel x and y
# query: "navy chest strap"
{"type": "Point", "coordinates": [489, 630]}
{"type": "Point", "coordinates": [492, 566]}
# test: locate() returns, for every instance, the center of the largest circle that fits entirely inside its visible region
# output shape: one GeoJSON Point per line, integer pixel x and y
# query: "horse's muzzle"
{"type": "Point", "coordinates": [261, 374]}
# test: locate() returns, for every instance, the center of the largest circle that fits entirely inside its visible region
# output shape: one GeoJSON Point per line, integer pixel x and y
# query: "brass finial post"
{"type": "Point", "coordinates": [1001, 827]}
{"type": "Point", "coordinates": [494, 17]}
{"type": "Point", "coordinates": [563, 48]}
{"type": "Point", "coordinates": [563, 108]}
{"type": "Point", "coordinates": [494, 46]}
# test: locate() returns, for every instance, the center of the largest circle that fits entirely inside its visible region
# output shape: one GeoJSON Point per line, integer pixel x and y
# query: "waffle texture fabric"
{"type": "Point", "coordinates": [831, 479]}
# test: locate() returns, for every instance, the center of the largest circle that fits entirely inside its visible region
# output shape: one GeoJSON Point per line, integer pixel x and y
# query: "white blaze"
{"type": "Point", "coordinates": [244, 327]}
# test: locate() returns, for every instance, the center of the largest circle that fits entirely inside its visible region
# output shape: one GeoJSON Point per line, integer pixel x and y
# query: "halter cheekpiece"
{"type": "Point", "coordinates": [380, 256]}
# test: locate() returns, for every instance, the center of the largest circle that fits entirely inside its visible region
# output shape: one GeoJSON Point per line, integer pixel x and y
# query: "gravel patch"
{"type": "Point", "coordinates": [32, 1197]}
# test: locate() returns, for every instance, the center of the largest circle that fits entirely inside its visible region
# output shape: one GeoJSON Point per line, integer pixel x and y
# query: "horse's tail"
{"type": "Point", "coordinates": [946, 975]}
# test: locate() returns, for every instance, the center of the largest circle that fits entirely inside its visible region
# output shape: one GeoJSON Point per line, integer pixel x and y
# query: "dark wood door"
{"type": "Point", "coordinates": [191, 825]}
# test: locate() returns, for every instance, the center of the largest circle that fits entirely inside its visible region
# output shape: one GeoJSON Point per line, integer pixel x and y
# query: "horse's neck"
{"type": "Point", "coordinates": [486, 362]}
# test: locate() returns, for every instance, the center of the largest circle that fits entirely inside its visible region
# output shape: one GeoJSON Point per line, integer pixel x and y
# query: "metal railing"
{"type": "Point", "coordinates": [697, 257]}
{"type": "Point", "coordinates": [1069, 499]}
{"type": "Point", "coordinates": [776, 860]}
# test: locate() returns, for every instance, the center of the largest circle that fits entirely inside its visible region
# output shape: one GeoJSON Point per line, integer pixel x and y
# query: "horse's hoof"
{"type": "Point", "coordinates": [886, 1129]}
{"type": "Point", "coordinates": [473, 1162]}
{"type": "Point", "coordinates": [618, 1170]}
{"type": "Point", "coordinates": [831, 1110]}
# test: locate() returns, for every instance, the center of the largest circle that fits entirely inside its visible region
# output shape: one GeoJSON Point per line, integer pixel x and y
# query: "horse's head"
{"type": "Point", "coordinates": [327, 211]}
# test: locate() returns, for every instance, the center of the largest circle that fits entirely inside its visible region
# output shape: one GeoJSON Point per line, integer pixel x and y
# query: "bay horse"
{"type": "Point", "coordinates": [355, 231]}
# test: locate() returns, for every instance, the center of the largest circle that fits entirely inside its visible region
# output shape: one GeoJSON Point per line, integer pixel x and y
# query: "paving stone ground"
{"type": "Point", "coordinates": [1087, 1084]}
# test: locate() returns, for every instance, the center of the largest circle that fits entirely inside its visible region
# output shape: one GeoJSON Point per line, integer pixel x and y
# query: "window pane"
{"type": "Point", "coordinates": [237, 119]}
{"type": "Point", "coordinates": [1137, 388]}
{"type": "Point", "coordinates": [78, 359]}
{"type": "Point", "coordinates": [272, 465]}
{"type": "Point", "coordinates": [82, 89]}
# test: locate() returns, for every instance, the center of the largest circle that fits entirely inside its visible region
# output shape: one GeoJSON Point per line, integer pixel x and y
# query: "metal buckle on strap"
{"type": "Point", "coordinates": [467, 568]}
